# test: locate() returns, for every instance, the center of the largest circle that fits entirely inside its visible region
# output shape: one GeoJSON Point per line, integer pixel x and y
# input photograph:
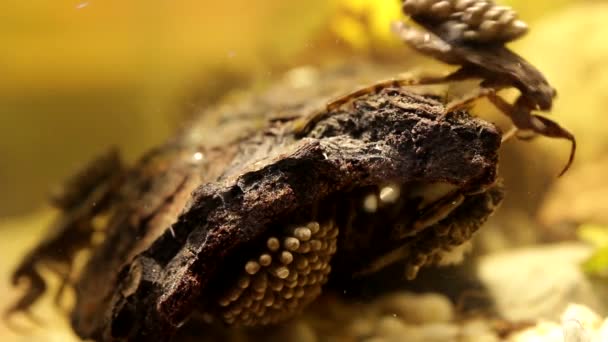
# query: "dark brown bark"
{"type": "Point", "coordinates": [191, 210]}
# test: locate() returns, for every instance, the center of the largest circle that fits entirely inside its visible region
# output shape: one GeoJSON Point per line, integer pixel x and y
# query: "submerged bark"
{"type": "Point", "coordinates": [185, 219]}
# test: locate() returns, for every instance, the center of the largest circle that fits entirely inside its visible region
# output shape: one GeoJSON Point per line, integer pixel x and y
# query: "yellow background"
{"type": "Point", "coordinates": [79, 76]}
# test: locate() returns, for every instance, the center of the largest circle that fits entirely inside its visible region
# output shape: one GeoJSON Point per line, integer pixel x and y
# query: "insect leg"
{"type": "Point", "coordinates": [523, 119]}
{"type": "Point", "coordinates": [437, 211]}
{"type": "Point", "coordinates": [391, 257]}
{"type": "Point", "coordinates": [88, 194]}
{"type": "Point", "coordinates": [487, 87]}
{"type": "Point", "coordinates": [303, 125]}
{"type": "Point", "coordinates": [460, 74]}
{"type": "Point", "coordinates": [36, 288]}
{"type": "Point", "coordinates": [509, 134]}
{"type": "Point", "coordinates": [468, 99]}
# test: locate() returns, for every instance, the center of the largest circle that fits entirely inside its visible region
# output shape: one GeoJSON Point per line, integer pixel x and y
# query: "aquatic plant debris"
{"type": "Point", "coordinates": [597, 236]}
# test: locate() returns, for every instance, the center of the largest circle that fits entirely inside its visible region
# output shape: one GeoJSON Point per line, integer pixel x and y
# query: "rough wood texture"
{"type": "Point", "coordinates": [191, 211]}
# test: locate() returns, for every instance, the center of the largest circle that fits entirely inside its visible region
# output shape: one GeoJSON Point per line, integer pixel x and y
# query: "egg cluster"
{"type": "Point", "coordinates": [286, 275]}
{"type": "Point", "coordinates": [470, 20]}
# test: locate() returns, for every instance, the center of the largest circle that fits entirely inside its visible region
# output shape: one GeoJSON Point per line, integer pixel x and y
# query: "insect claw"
{"type": "Point", "coordinates": [553, 129]}
{"type": "Point", "coordinates": [570, 158]}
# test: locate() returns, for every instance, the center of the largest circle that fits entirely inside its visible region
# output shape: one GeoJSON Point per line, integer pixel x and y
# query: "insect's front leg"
{"type": "Point", "coordinates": [467, 100]}
{"type": "Point", "coordinates": [521, 115]}
{"type": "Point", "coordinates": [488, 88]}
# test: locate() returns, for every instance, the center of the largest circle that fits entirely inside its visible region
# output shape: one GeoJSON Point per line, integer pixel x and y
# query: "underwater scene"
{"type": "Point", "coordinates": [325, 170]}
